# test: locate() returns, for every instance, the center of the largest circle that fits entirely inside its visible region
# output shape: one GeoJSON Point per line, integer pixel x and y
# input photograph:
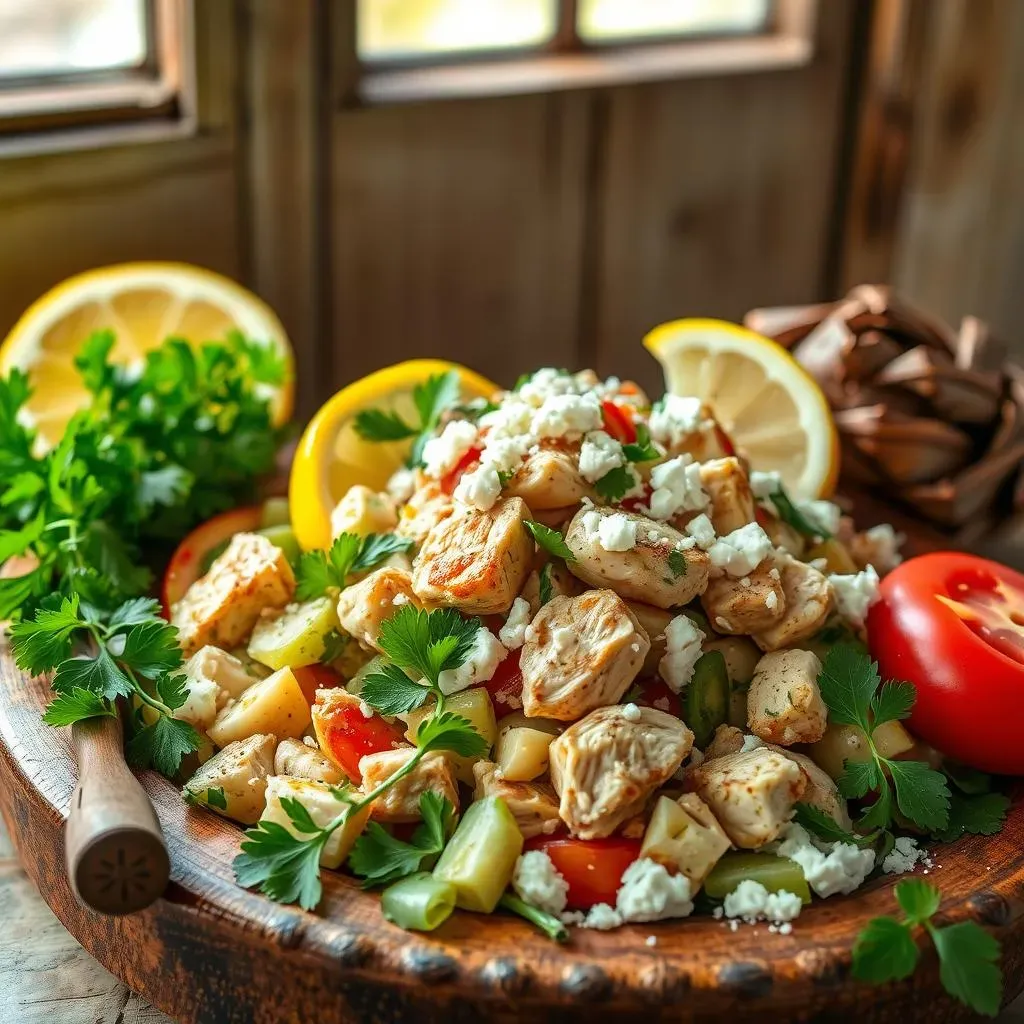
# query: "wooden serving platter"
{"type": "Point", "coordinates": [211, 952]}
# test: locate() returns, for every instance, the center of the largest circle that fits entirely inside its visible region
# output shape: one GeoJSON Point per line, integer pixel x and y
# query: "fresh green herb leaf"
{"type": "Point", "coordinates": [172, 690]}
{"type": "Point", "coordinates": [788, 512]}
{"type": "Point", "coordinates": [922, 795]}
{"type": "Point", "coordinates": [848, 680]}
{"type": "Point", "coordinates": [859, 778]}
{"type": "Point", "coordinates": [984, 814]}
{"type": "Point", "coordinates": [436, 394]}
{"type": "Point", "coordinates": [824, 826]}
{"type": "Point", "coordinates": [616, 483]}
{"type": "Point", "coordinates": [284, 867]}
{"type": "Point", "coordinates": [642, 450]}
{"type": "Point", "coordinates": [75, 706]}
{"type": "Point", "coordinates": [892, 703]}
{"type": "Point", "coordinates": [378, 425]}
{"type": "Point", "coordinates": [162, 745]}
{"type": "Point", "coordinates": [447, 731]}
{"type": "Point", "coordinates": [392, 692]}
{"type": "Point", "coordinates": [40, 644]}
{"type": "Point", "coordinates": [149, 649]}
{"type": "Point", "coordinates": [98, 673]}
{"type": "Point", "coordinates": [879, 814]}
{"type": "Point", "coordinates": [969, 966]}
{"type": "Point", "coordinates": [322, 571]}
{"type": "Point", "coordinates": [918, 899]}
{"type": "Point", "coordinates": [377, 548]}
{"type": "Point", "coordinates": [544, 583]}
{"type": "Point", "coordinates": [884, 951]}
{"type": "Point", "coordinates": [135, 612]}
{"type": "Point", "coordinates": [428, 642]}
{"type": "Point", "coordinates": [215, 798]}
{"type": "Point", "coordinates": [548, 539]}
{"type": "Point", "coordinates": [676, 563]}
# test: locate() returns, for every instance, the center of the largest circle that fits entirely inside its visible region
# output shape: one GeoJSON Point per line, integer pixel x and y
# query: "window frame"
{"type": "Point", "coordinates": [153, 99]}
{"type": "Point", "coordinates": [567, 61]}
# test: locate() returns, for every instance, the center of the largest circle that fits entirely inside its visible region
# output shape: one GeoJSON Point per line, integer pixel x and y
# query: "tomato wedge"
{"type": "Point", "coordinates": [506, 685]}
{"type": "Point", "coordinates": [617, 423]}
{"type": "Point", "coordinates": [592, 867]}
{"type": "Point", "coordinates": [316, 677]}
{"type": "Point", "coordinates": [346, 736]}
{"type": "Point", "coordinates": [450, 480]}
{"type": "Point", "coordinates": [191, 557]}
{"type": "Point", "coordinates": [953, 625]}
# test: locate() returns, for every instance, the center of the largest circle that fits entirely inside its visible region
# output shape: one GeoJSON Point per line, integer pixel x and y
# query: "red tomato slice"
{"type": "Point", "coordinates": [450, 480]}
{"type": "Point", "coordinates": [655, 693]}
{"type": "Point", "coordinates": [348, 735]}
{"type": "Point", "coordinates": [617, 423]}
{"type": "Point", "coordinates": [506, 685]}
{"type": "Point", "coordinates": [316, 677]}
{"type": "Point", "coordinates": [592, 867]}
{"type": "Point", "coordinates": [953, 625]}
{"type": "Point", "coordinates": [189, 560]}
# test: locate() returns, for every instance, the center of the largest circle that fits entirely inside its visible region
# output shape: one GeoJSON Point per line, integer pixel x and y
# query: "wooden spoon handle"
{"type": "Point", "coordinates": [116, 856]}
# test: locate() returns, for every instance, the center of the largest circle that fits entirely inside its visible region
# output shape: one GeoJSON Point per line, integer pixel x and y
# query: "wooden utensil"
{"type": "Point", "coordinates": [115, 851]}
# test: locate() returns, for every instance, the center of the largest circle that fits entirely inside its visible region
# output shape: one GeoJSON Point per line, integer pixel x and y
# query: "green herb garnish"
{"type": "Point", "coordinates": [322, 571]}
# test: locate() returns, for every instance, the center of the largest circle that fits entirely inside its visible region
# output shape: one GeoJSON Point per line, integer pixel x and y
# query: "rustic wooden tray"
{"type": "Point", "coordinates": [212, 952]}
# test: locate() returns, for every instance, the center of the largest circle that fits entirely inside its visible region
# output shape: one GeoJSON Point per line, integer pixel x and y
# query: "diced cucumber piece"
{"type": "Point", "coordinates": [419, 903]}
{"type": "Point", "coordinates": [282, 536]}
{"type": "Point", "coordinates": [475, 706]}
{"type": "Point", "coordinates": [774, 873]}
{"type": "Point", "coordinates": [480, 857]}
{"type": "Point", "coordinates": [707, 697]}
{"type": "Point", "coordinates": [296, 637]}
{"type": "Point", "coordinates": [275, 512]}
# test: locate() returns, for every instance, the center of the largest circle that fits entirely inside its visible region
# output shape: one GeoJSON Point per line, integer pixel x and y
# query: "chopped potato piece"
{"type": "Point", "coordinates": [363, 511]}
{"type": "Point", "coordinates": [296, 637]}
{"type": "Point", "coordinates": [275, 705]}
{"type": "Point", "coordinates": [365, 605]}
{"type": "Point", "coordinates": [237, 775]}
{"type": "Point", "coordinates": [475, 706]}
{"type": "Point", "coordinates": [401, 802]}
{"type": "Point", "coordinates": [685, 836]}
{"type": "Point", "coordinates": [300, 761]}
{"type": "Point", "coordinates": [522, 749]}
{"type": "Point", "coordinates": [784, 703]}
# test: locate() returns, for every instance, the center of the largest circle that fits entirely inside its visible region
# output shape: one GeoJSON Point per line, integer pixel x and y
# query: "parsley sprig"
{"type": "Point", "coordinates": [787, 510]}
{"type": "Point", "coordinates": [618, 482]}
{"type": "Point", "coordinates": [548, 539]}
{"type": "Point", "coordinates": [286, 867]}
{"type": "Point", "coordinates": [431, 398]}
{"type": "Point", "coordinates": [886, 949]}
{"type": "Point", "coordinates": [321, 571]}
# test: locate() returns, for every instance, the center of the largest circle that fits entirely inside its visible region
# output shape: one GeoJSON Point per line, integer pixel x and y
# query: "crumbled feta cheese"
{"type": "Point", "coordinates": [310, 742]}
{"type": "Point", "coordinates": [904, 856]}
{"type": "Point", "coordinates": [483, 659]}
{"type": "Point", "coordinates": [651, 940]}
{"type": "Point", "coordinates": [616, 532]}
{"type": "Point", "coordinates": [682, 649]}
{"type": "Point", "coordinates": [677, 488]}
{"type": "Point", "coordinates": [745, 582]}
{"type": "Point", "coordinates": [741, 551]}
{"type": "Point", "coordinates": [841, 867]}
{"type": "Point", "coordinates": [883, 543]}
{"type": "Point", "coordinates": [548, 381]}
{"type": "Point", "coordinates": [751, 742]}
{"type": "Point", "coordinates": [825, 514]}
{"type": "Point", "coordinates": [631, 712]}
{"type": "Point", "coordinates": [513, 418]}
{"type": "Point", "coordinates": [567, 414]}
{"type": "Point", "coordinates": [702, 531]}
{"type": "Point", "coordinates": [771, 600]}
{"type": "Point", "coordinates": [539, 883]}
{"type": "Point", "coordinates": [200, 706]}
{"type": "Point", "coordinates": [481, 488]}
{"type": "Point", "coordinates": [400, 599]}
{"type": "Point", "coordinates": [513, 633]}
{"type": "Point", "coordinates": [505, 454]}
{"type": "Point", "coordinates": [401, 485]}
{"type": "Point", "coordinates": [599, 454]}
{"type": "Point", "coordinates": [675, 419]}
{"type": "Point", "coordinates": [764, 485]}
{"type": "Point", "coordinates": [442, 454]}
{"type": "Point", "coordinates": [855, 594]}
{"type": "Point", "coordinates": [649, 893]}
{"type": "Point", "coordinates": [563, 638]}
{"type": "Point", "coordinates": [775, 574]}
{"type": "Point", "coordinates": [751, 902]}
{"type": "Point", "coordinates": [601, 917]}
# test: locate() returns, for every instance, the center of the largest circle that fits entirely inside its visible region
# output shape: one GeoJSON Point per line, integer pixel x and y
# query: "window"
{"type": "Point", "coordinates": [74, 64]}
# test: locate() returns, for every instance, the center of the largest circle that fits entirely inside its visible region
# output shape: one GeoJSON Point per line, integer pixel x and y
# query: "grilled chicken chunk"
{"type": "Point", "coordinates": [476, 561]}
{"type": "Point", "coordinates": [727, 740]}
{"type": "Point", "coordinates": [563, 584]}
{"type": "Point", "coordinates": [606, 765]}
{"type": "Point", "coordinates": [423, 511]}
{"type": "Point", "coordinates": [732, 504]}
{"type": "Point", "coordinates": [533, 804]}
{"type": "Point", "coordinates": [821, 791]}
{"type": "Point", "coordinates": [240, 773]}
{"type": "Point", "coordinates": [549, 478]}
{"type": "Point", "coordinates": [752, 795]}
{"type": "Point", "coordinates": [746, 604]}
{"type": "Point", "coordinates": [644, 572]}
{"type": "Point", "coordinates": [580, 653]}
{"type": "Point", "coordinates": [401, 802]}
{"type": "Point", "coordinates": [784, 703]}
{"type": "Point", "coordinates": [808, 603]}
{"type": "Point", "coordinates": [365, 605]}
{"type": "Point", "coordinates": [299, 761]}
{"type": "Point", "coordinates": [655, 622]}
{"type": "Point", "coordinates": [221, 607]}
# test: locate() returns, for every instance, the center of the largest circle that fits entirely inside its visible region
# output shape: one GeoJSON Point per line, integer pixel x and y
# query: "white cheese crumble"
{"type": "Point", "coordinates": [599, 454]}
{"type": "Point", "coordinates": [649, 893]}
{"type": "Point", "coordinates": [539, 883]}
{"type": "Point", "coordinates": [855, 593]}
{"type": "Point", "coordinates": [513, 633]}
{"type": "Point", "coordinates": [399, 599]}
{"type": "Point", "coordinates": [481, 488]}
{"type": "Point", "coordinates": [548, 381]}
{"type": "Point", "coordinates": [483, 659]}
{"type": "Point", "coordinates": [825, 514]}
{"type": "Point", "coordinates": [771, 600]}
{"type": "Point", "coordinates": [764, 485]}
{"type": "Point", "coordinates": [682, 649]}
{"type": "Point", "coordinates": [651, 940]}
{"type": "Point", "coordinates": [442, 454]}
{"type": "Point", "coordinates": [563, 638]}
{"type": "Point", "coordinates": [905, 856]}
{"type": "Point", "coordinates": [675, 419]}
{"type": "Point", "coordinates": [741, 551]}
{"type": "Point", "coordinates": [631, 713]}
{"type": "Point", "coordinates": [751, 742]}
{"type": "Point", "coordinates": [677, 488]}
{"type": "Point", "coordinates": [616, 532]}
{"type": "Point", "coordinates": [702, 531]}
{"type": "Point", "coordinates": [841, 867]}
{"type": "Point", "coordinates": [567, 414]}
{"type": "Point", "coordinates": [883, 542]}
{"type": "Point", "coordinates": [401, 485]}
{"type": "Point", "coordinates": [751, 902]}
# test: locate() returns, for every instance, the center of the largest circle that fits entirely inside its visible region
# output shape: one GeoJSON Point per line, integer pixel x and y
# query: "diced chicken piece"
{"type": "Point", "coordinates": [727, 740]}
{"type": "Point", "coordinates": [563, 584]}
{"type": "Point", "coordinates": [231, 675]}
{"type": "Point", "coordinates": [549, 478]}
{"type": "Point", "coordinates": [202, 695]}
{"type": "Point", "coordinates": [238, 774]}
{"type": "Point", "coordinates": [654, 621]}
{"type": "Point", "coordinates": [294, 758]}
{"type": "Point", "coordinates": [556, 518]}
{"type": "Point", "coordinates": [732, 504]}
{"type": "Point", "coordinates": [684, 836]}
{"type": "Point", "coordinates": [435, 773]}
{"type": "Point", "coordinates": [580, 653]}
{"type": "Point", "coordinates": [221, 607]}
{"type": "Point", "coordinates": [606, 765]}
{"type": "Point", "coordinates": [879, 546]}
{"type": "Point", "coordinates": [363, 511]}
{"type": "Point", "coordinates": [784, 536]}
{"type": "Point", "coordinates": [784, 703]}
{"type": "Point", "coordinates": [752, 795]}
{"type": "Point", "coordinates": [746, 604]}
{"type": "Point", "coordinates": [534, 805]}
{"type": "Point", "coordinates": [655, 570]}
{"type": "Point", "coordinates": [808, 603]}
{"type": "Point", "coordinates": [423, 511]}
{"type": "Point", "coordinates": [365, 605]}
{"type": "Point", "coordinates": [476, 561]}
{"type": "Point", "coordinates": [821, 791]}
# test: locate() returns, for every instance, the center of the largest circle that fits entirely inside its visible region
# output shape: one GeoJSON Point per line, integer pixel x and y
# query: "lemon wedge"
{"type": "Point", "coordinates": [143, 304]}
{"type": "Point", "coordinates": [332, 457]}
{"type": "Point", "coordinates": [771, 408]}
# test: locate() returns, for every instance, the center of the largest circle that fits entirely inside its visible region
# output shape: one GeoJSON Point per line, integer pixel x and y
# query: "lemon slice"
{"type": "Point", "coordinates": [143, 304]}
{"type": "Point", "coordinates": [332, 457]}
{"type": "Point", "coordinates": [771, 408]}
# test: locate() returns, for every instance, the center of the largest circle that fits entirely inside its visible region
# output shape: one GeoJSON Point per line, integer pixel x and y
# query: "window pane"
{"type": "Point", "coordinates": [606, 20]}
{"type": "Point", "coordinates": [391, 29]}
{"type": "Point", "coordinates": [54, 37]}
